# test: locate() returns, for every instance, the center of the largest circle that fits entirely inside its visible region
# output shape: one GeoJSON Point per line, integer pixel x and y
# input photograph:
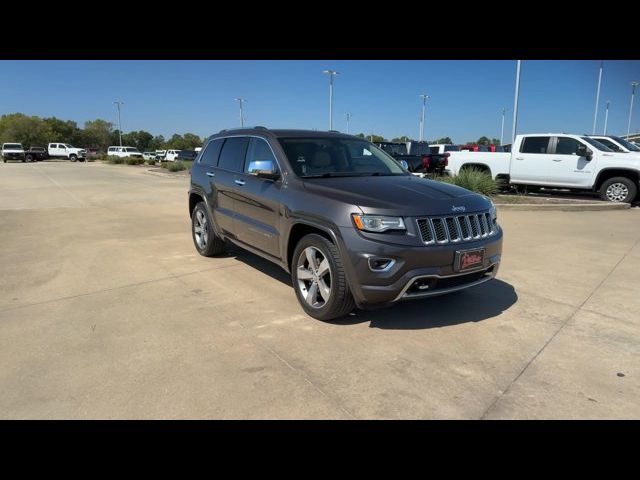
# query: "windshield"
{"type": "Point", "coordinates": [452, 148]}
{"type": "Point", "coordinates": [337, 157]}
{"type": "Point", "coordinates": [69, 146]}
{"type": "Point", "coordinates": [12, 146]}
{"type": "Point", "coordinates": [394, 149]}
{"type": "Point", "coordinates": [131, 149]}
{"type": "Point", "coordinates": [418, 148]}
{"type": "Point", "coordinates": [628, 145]}
{"type": "Point", "coordinates": [595, 143]}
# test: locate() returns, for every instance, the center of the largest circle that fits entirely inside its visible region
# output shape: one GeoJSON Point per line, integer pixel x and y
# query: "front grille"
{"type": "Point", "coordinates": [460, 228]}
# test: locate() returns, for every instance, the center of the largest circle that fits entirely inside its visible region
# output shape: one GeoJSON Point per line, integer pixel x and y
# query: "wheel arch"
{"type": "Point", "coordinates": [608, 173]}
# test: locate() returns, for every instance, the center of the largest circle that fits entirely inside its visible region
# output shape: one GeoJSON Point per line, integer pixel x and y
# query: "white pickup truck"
{"type": "Point", "coordinates": [558, 160]}
{"type": "Point", "coordinates": [64, 150]}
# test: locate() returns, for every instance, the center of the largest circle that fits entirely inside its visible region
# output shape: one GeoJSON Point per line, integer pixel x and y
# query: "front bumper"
{"type": "Point", "coordinates": [417, 271]}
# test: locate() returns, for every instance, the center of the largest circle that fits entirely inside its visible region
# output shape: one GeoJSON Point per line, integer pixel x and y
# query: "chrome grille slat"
{"type": "Point", "coordinates": [455, 229]}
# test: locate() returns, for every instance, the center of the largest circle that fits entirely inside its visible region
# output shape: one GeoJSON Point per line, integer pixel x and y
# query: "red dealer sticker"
{"type": "Point", "coordinates": [470, 259]}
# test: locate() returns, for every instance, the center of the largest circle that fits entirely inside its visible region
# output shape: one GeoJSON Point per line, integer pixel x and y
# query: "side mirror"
{"type": "Point", "coordinates": [404, 164]}
{"type": "Point", "coordinates": [583, 151]}
{"type": "Point", "coordinates": [263, 169]}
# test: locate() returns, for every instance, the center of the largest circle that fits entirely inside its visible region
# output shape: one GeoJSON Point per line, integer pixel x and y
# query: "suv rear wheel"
{"type": "Point", "coordinates": [319, 279]}
{"type": "Point", "coordinates": [619, 189]}
{"type": "Point", "coordinates": [205, 240]}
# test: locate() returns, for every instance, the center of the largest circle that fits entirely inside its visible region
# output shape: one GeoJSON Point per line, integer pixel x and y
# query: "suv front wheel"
{"type": "Point", "coordinates": [319, 279]}
{"type": "Point", "coordinates": [205, 240]}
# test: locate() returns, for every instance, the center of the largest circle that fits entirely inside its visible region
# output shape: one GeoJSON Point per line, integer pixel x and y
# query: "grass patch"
{"type": "Point", "coordinates": [134, 160]}
{"type": "Point", "coordinates": [113, 160]}
{"type": "Point", "coordinates": [476, 180]}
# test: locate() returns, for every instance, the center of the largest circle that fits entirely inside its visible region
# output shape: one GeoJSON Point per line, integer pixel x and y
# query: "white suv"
{"type": "Point", "coordinates": [124, 152]}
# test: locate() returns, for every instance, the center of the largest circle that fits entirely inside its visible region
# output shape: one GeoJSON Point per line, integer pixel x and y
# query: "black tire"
{"type": "Point", "coordinates": [73, 158]}
{"type": "Point", "coordinates": [619, 189]}
{"type": "Point", "coordinates": [208, 244]}
{"type": "Point", "coordinates": [340, 301]}
{"type": "Point", "coordinates": [29, 158]}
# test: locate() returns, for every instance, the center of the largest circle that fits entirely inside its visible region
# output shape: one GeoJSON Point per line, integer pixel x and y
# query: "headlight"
{"type": "Point", "coordinates": [493, 212]}
{"type": "Point", "coordinates": [378, 223]}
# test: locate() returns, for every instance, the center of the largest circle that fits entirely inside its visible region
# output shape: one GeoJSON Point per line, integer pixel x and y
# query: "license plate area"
{"type": "Point", "coordinates": [468, 260]}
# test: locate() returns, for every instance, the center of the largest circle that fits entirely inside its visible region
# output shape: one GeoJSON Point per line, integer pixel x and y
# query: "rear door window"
{"type": "Point", "coordinates": [232, 154]}
{"type": "Point", "coordinates": [535, 145]}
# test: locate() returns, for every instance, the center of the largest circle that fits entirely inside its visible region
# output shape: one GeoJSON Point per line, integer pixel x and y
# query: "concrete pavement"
{"type": "Point", "coordinates": [107, 311]}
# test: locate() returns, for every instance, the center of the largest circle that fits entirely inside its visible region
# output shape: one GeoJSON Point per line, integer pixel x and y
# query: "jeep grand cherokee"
{"type": "Point", "coordinates": [351, 226]}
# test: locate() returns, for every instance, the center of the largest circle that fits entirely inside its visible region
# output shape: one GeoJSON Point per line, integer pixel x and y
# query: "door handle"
{"type": "Point", "coordinates": [240, 182]}
{"type": "Point", "coordinates": [210, 174]}
{"type": "Point", "coordinates": [557, 159]}
{"type": "Point", "coordinates": [519, 158]}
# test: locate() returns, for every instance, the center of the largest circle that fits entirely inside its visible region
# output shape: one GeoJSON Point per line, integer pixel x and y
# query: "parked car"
{"type": "Point", "coordinates": [351, 226]}
{"type": "Point", "coordinates": [149, 155]}
{"type": "Point", "coordinates": [416, 157]}
{"type": "Point", "coordinates": [559, 160]}
{"type": "Point", "coordinates": [91, 152]}
{"type": "Point", "coordinates": [187, 155]}
{"type": "Point", "coordinates": [617, 144]}
{"type": "Point", "coordinates": [12, 151]}
{"type": "Point", "coordinates": [124, 152]}
{"type": "Point", "coordinates": [160, 155]}
{"type": "Point", "coordinates": [35, 154]}
{"type": "Point", "coordinates": [64, 150]}
{"type": "Point", "coordinates": [171, 155]}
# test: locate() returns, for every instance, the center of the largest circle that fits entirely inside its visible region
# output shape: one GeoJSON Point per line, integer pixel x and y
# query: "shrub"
{"type": "Point", "coordinates": [176, 166]}
{"type": "Point", "coordinates": [91, 159]}
{"type": "Point", "coordinates": [134, 160]}
{"type": "Point", "coordinates": [474, 179]}
{"type": "Point", "coordinates": [151, 161]}
{"type": "Point", "coordinates": [112, 159]}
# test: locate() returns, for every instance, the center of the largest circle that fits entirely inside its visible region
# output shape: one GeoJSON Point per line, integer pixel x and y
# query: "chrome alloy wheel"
{"type": "Point", "coordinates": [314, 277]}
{"type": "Point", "coordinates": [201, 229]}
{"type": "Point", "coordinates": [617, 192]}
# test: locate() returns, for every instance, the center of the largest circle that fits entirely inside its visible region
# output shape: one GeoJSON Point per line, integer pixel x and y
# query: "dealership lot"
{"type": "Point", "coordinates": [107, 311]}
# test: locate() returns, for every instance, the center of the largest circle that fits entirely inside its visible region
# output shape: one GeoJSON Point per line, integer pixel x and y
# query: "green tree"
{"type": "Point", "coordinates": [403, 138]}
{"type": "Point", "coordinates": [61, 130]}
{"type": "Point", "coordinates": [139, 139]}
{"type": "Point", "coordinates": [29, 131]}
{"type": "Point", "coordinates": [157, 143]}
{"type": "Point", "coordinates": [444, 140]}
{"type": "Point", "coordinates": [495, 141]}
{"type": "Point", "coordinates": [191, 141]}
{"type": "Point", "coordinates": [97, 134]}
{"type": "Point", "coordinates": [483, 141]}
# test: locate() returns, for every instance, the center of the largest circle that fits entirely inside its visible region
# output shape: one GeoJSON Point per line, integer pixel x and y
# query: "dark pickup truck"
{"type": "Point", "coordinates": [417, 156]}
{"type": "Point", "coordinates": [35, 154]}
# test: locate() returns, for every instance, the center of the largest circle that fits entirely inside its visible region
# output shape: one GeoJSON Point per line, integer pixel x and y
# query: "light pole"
{"type": "Point", "coordinates": [515, 104]}
{"type": "Point", "coordinates": [118, 103]}
{"type": "Point", "coordinates": [633, 94]}
{"type": "Point", "coordinates": [241, 101]}
{"type": "Point", "coordinates": [424, 105]}
{"type": "Point", "coordinates": [348, 119]}
{"type": "Point", "coordinates": [502, 128]}
{"type": "Point", "coordinates": [606, 117]}
{"type": "Point", "coordinates": [595, 114]}
{"type": "Point", "coordinates": [331, 73]}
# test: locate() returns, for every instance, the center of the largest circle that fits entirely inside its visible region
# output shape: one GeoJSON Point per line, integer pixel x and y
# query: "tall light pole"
{"type": "Point", "coordinates": [331, 73]}
{"type": "Point", "coordinates": [502, 128]}
{"type": "Point", "coordinates": [606, 117]}
{"type": "Point", "coordinates": [348, 119]}
{"type": "Point", "coordinates": [633, 94]}
{"type": "Point", "coordinates": [424, 105]}
{"type": "Point", "coordinates": [514, 127]}
{"type": "Point", "coordinates": [595, 114]}
{"type": "Point", "coordinates": [241, 101]}
{"type": "Point", "coordinates": [118, 103]}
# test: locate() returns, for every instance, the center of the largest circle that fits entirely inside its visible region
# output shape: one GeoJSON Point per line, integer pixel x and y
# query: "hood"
{"type": "Point", "coordinates": [631, 158]}
{"type": "Point", "coordinates": [398, 195]}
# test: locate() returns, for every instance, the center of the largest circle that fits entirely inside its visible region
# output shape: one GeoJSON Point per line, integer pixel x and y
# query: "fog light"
{"type": "Point", "coordinates": [381, 264]}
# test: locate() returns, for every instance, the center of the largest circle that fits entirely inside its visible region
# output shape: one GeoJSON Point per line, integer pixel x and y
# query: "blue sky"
{"type": "Point", "coordinates": [165, 97]}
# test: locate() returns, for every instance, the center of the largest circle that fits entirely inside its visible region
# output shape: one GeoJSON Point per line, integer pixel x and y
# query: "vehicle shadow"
{"type": "Point", "coordinates": [474, 305]}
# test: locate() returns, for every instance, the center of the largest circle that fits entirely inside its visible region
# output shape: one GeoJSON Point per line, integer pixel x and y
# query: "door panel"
{"type": "Point", "coordinates": [258, 203]}
{"type": "Point", "coordinates": [533, 163]}
{"type": "Point", "coordinates": [571, 169]}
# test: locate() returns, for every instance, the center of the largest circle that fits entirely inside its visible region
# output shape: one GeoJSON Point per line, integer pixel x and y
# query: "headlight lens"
{"type": "Point", "coordinates": [493, 212]}
{"type": "Point", "coordinates": [377, 223]}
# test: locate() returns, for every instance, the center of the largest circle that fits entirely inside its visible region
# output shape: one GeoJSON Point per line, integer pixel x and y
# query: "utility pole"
{"type": "Point", "coordinates": [515, 104]}
{"type": "Point", "coordinates": [606, 117]}
{"type": "Point", "coordinates": [241, 101]}
{"type": "Point", "coordinates": [331, 73]}
{"type": "Point", "coordinates": [424, 105]}
{"type": "Point", "coordinates": [502, 128]}
{"type": "Point", "coordinates": [118, 103]}
{"type": "Point", "coordinates": [633, 94]}
{"type": "Point", "coordinates": [595, 115]}
{"type": "Point", "coordinates": [348, 119]}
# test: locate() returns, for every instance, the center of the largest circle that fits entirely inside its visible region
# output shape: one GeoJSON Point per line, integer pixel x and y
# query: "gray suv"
{"type": "Point", "coordinates": [348, 222]}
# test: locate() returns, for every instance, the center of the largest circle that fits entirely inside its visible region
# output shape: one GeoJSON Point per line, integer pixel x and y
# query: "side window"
{"type": "Point", "coordinates": [54, 145]}
{"type": "Point", "coordinates": [535, 145]}
{"type": "Point", "coordinates": [567, 146]}
{"type": "Point", "coordinates": [232, 154]}
{"type": "Point", "coordinates": [610, 144]}
{"type": "Point", "coordinates": [211, 152]}
{"type": "Point", "coordinates": [258, 156]}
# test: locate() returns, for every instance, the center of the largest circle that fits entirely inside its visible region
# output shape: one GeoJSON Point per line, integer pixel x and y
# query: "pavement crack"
{"type": "Point", "coordinates": [562, 326]}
